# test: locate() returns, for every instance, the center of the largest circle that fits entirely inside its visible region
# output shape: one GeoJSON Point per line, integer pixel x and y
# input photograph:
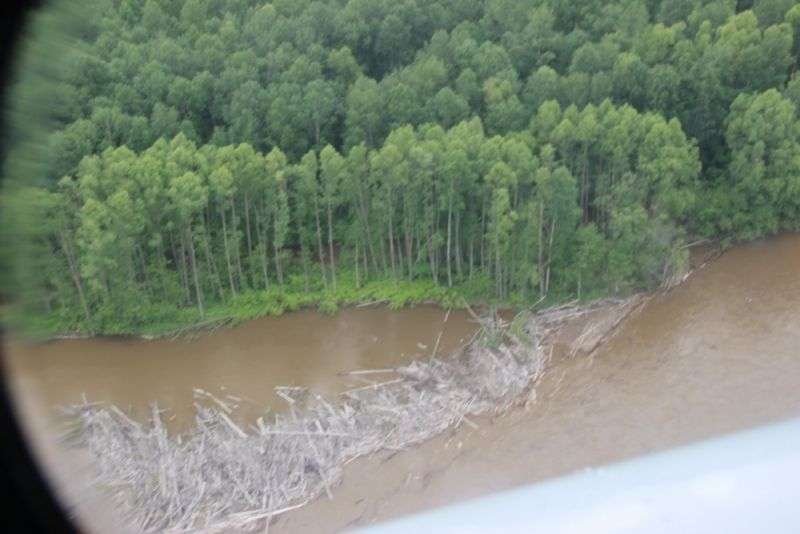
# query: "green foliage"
{"type": "Point", "coordinates": [191, 160]}
{"type": "Point", "coordinates": [762, 190]}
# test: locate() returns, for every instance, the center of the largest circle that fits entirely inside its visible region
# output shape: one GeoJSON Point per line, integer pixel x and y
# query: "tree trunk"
{"type": "Point", "coordinates": [366, 265]}
{"type": "Point", "coordinates": [409, 241]}
{"type": "Point", "coordinates": [247, 223]}
{"type": "Point", "coordinates": [364, 209]}
{"type": "Point", "coordinates": [384, 263]}
{"type": "Point", "coordinates": [420, 251]}
{"type": "Point", "coordinates": [550, 254]}
{"type": "Point", "coordinates": [193, 261]}
{"type": "Point", "coordinates": [212, 265]}
{"type": "Point", "coordinates": [265, 264]}
{"type": "Point", "coordinates": [355, 263]}
{"type": "Point", "coordinates": [483, 234]}
{"type": "Point", "coordinates": [160, 261]}
{"type": "Point", "coordinates": [471, 257]}
{"type": "Point", "coordinates": [278, 267]}
{"type": "Point", "coordinates": [449, 232]}
{"type": "Point", "coordinates": [432, 258]}
{"type": "Point", "coordinates": [305, 254]}
{"type": "Point", "coordinates": [184, 275]}
{"type": "Point", "coordinates": [400, 259]}
{"type": "Point", "coordinates": [76, 277]}
{"type": "Point", "coordinates": [540, 262]}
{"type": "Point", "coordinates": [263, 233]}
{"type": "Point", "coordinates": [330, 246]}
{"type": "Point", "coordinates": [235, 222]}
{"type": "Point", "coordinates": [227, 250]}
{"type": "Point", "coordinates": [585, 186]}
{"type": "Point", "coordinates": [459, 271]}
{"type": "Point", "coordinates": [319, 247]}
{"type": "Point", "coordinates": [391, 246]}
{"type": "Point", "coordinates": [498, 273]}
{"type": "Point", "coordinates": [139, 254]}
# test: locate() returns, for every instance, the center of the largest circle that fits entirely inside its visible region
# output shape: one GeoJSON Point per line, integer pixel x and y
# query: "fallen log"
{"type": "Point", "coordinates": [217, 477]}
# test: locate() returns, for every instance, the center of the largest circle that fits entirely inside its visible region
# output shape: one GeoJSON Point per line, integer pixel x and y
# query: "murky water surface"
{"type": "Point", "coordinates": [246, 362]}
{"type": "Point", "coordinates": [717, 354]}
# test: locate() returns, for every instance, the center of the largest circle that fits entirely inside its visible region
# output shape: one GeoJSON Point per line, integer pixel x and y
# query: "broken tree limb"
{"type": "Point", "coordinates": [216, 477]}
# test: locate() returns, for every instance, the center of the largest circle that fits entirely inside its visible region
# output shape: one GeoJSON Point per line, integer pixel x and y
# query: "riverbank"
{"type": "Point", "coordinates": [247, 361]}
{"type": "Point", "coordinates": [714, 355]}
{"type": "Point", "coordinates": [696, 349]}
{"type": "Point", "coordinates": [151, 322]}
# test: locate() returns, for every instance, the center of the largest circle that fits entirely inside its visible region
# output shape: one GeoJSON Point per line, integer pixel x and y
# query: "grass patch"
{"type": "Point", "coordinates": [156, 320]}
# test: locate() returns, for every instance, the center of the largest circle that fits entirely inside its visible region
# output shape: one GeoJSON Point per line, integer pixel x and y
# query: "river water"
{"type": "Point", "coordinates": [246, 362]}
{"type": "Point", "coordinates": [719, 353]}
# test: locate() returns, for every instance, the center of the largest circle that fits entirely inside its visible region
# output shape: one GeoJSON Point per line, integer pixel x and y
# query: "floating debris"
{"type": "Point", "coordinates": [222, 477]}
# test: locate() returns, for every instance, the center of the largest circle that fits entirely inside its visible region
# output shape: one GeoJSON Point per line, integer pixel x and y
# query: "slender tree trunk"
{"type": "Point", "coordinates": [76, 277]}
{"type": "Point", "coordinates": [364, 209]}
{"type": "Point", "coordinates": [540, 261]}
{"type": "Point", "coordinates": [227, 250]}
{"type": "Point", "coordinates": [238, 257]}
{"type": "Point", "coordinates": [212, 265]}
{"type": "Point", "coordinates": [265, 264]}
{"type": "Point", "coordinates": [106, 285]}
{"type": "Point", "coordinates": [319, 247]}
{"type": "Point", "coordinates": [193, 261]}
{"type": "Point", "coordinates": [278, 240]}
{"type": "Point", "coordinates": [471, 257]}
{"type": "Point", "coordinates": [409, 241]}
{"type": "Point", "coordinates": [248, 235]}
{"type": "Point", "coordinates": [182, 262]}
{"type": "Point", "coordinates": [459, 270]}
{"type": "Point", "coordinates": [483, 234]}
{"type": "Point", "coordinates": [585, 186]}
{"type": "Point", "coordinates": [384, 262]}
{"type": "Point", "coordinates": [432, 257]}
{"type": "Point", "coordinates": [131, 257]}
{"type": "Point", "coordinates": [420, 252]}
{"type": "Point", "coordinates": [278, 267]}
{"type": "Point", "coordinates": [160, 262]}
{"type": "Point", "coordinates": [330, 246]}
{"type": "Point", "coordinates": [247, 224]}
{"type": "Point", "coordinates": [355, 263]}
{"type": "Point", "coordinates": [262, 227]}
{"type": "Point", "coordinates": [364, 259]}
{"type": "Point", "coordinates": [400, 258]}
{"type": "Point", "coordinates": [141, 264]}
{"type": "Point", "coordinates": [306, 276]}
{"type": "Point", "coordinates": [550, 254]}
{"type": "Point", "coordinates": [497, 271]}
{"type": "Point", "coordinates": [449, 233]}
{"type": "Point", "coordinates": [391, 246]}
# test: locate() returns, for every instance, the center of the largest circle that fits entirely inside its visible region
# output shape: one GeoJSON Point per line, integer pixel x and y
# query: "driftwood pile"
{"type": "Point", "coordinates": [222, 477]}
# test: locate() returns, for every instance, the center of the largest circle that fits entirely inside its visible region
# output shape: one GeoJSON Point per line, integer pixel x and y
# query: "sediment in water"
{"type": "Point", "coordinates": [221, 476]}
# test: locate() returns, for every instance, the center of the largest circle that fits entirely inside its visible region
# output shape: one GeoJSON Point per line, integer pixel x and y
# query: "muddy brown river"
{"type": "Point", "coordinates": [719, 353]}
{"type": "Point", "coordinates": [246, 362]}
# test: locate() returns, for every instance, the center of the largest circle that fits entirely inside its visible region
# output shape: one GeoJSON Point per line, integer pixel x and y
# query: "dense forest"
{"type": "Point", "coordinates": [174, 157]}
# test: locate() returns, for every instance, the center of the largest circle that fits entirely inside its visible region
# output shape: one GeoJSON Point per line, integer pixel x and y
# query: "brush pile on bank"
{"type": "Point", "coordinates": [221, 476]}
